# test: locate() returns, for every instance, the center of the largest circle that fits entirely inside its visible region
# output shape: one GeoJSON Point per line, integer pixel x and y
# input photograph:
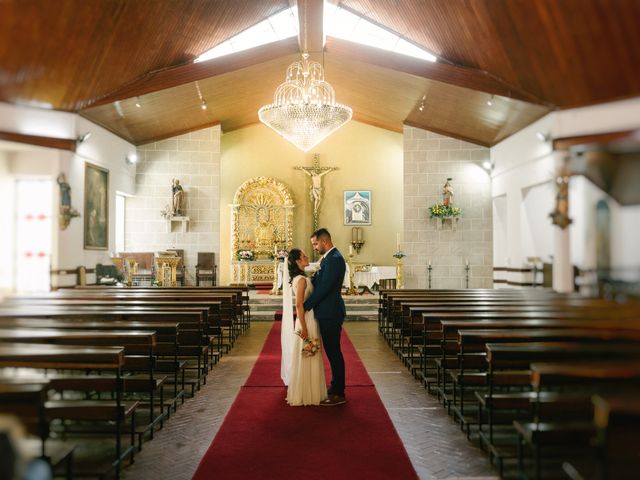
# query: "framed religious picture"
{"type": "Point", "coordinates": [96, 207]}
{"type": "Point", "coordinates": [357, 207]}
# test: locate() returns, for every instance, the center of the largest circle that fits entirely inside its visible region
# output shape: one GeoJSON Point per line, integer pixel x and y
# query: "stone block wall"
{"type": "Point", "coordinates": [429, 158]}
{"type": "Point", "coordinates": [194, 159]}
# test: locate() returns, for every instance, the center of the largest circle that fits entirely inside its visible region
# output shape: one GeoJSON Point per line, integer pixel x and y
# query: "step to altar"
{"type": "Point", "coordinates": [359, 307]}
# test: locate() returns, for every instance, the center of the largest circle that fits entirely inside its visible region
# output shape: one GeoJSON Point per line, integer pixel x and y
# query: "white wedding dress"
{"type": "Point", "coordinates": [306, 375]}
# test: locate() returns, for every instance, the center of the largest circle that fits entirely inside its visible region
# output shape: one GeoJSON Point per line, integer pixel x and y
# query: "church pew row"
{"type": "Point", "coordinates": [226, 307]}
{"type": "Point", "coordinates": [425, 330]}
{"type": "Point", "coordinates": [26, 402]}
{"type": "Point", "coordinates": [139, 375]}
{"type": "Point", "coordinates": [97, 315]}
{"type": "Point", "coordinates": [240, 293]}
{"type": "Point", "coordinates": [434, 324]}
{"type": "Point", "coordinates": [196, 336]}
{"type": "Point", "coordinates": [568, 428]}
{"type": "Point", "coordinates": [509, 367]}
{"type": "Point", "coordinates": [79, 358]}
{"type": "Point", "coordinates": [433, 346]}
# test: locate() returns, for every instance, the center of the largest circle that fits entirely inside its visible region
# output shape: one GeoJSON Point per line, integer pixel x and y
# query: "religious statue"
{"type": "Point", "coordinates": [315, 193]}
{"type": "Point", "coordinates": [264, 231]}
{"type": "Point", "coordinates": [67, 212]}
{"type": "Point", "coordinates": [178, 196]}
{"type": "Point", "coordinates": [447, 194]}
{"type": "Point", "coordinates": [560, 216]}
{"type": "Point", "coordinates": [65, 191]}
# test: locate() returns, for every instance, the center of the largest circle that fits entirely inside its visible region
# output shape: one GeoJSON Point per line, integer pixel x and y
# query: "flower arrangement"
{"type": "Point", "coordinates": [247, 255]}
{"type": "Point", "coordinates": [440, 210]}
{"type": "Point", "coordinates": [166, 212]}
{"type": "Point", "coordinates": [309, 346]}
{"type": "Point", "coordinates": [399, 254]}
{"type": "Point", "coordinates": [280, 255]}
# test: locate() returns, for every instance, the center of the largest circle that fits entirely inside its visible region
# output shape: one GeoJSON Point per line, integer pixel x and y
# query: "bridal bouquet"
{"type": "Point", "coordinates": [309, 346]}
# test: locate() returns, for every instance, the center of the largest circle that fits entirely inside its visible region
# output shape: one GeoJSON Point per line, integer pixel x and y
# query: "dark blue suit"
{"type": "Point", "coordinates": [329, 310]}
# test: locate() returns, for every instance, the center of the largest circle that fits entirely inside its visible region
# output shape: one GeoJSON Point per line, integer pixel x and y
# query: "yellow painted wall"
{"type": "Point", "coordinates": [368, 158]}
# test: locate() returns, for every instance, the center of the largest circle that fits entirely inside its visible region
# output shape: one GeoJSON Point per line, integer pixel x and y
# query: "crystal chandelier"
{"type": "Point", "coordinates": [304, 109]}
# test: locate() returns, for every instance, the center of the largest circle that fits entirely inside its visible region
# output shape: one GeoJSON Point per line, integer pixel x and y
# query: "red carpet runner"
{"type": "Point", "coordinates": [263, 438]}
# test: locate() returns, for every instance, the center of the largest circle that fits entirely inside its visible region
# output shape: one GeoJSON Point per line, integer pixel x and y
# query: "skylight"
{"type": "Point", "coordinates": [277, 27]}
{"type": "Point", "coordinates": [338, 22]}
{"type": "Point", "coordinates": [341, 23]}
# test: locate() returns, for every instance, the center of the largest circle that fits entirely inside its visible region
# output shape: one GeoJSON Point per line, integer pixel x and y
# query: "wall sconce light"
{"type": "Point", "coordinates": [138, 104]}
{"type": "Point", "coordinates": [490, 101]}
{"type": "Point", "coordinates": [487, 165]}
{"type": "Point", "coordinates": [357, 240]}
{"type": "Point", "coordinates": [82, 138]}
{"type": "Point", "coordinates": [543, 137]}
{"type": "Point", "coordinates": [131, 159]}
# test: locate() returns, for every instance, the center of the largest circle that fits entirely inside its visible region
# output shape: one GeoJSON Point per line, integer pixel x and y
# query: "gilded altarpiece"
{"type": "Point", "coordinates": [262, 222]}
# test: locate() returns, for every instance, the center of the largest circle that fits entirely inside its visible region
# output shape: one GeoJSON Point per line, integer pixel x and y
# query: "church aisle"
{"type": "Point", "coordinates": [176, 450]}
{"type": "Point", "coordinates": [422, 424]}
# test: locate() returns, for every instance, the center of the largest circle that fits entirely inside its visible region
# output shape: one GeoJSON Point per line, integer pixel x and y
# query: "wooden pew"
{"type": "Point", "coordinates": [508, 362]}
{"type": "Point", "coordinates": [471, 368]}
{"type": "Point", "coordinates": [139, 349]}
{"type": "Point", "coordinates": [27, 403]}
{"type": "Point", "coordinates": [193, 328]}
{"type": "Point", "coordinates": [545, 434]}
{"type": "Point", "coordinates": [80, 358]}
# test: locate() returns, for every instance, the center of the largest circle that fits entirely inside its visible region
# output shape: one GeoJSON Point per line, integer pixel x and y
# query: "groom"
{"type": "Point", "coordinates": [328, 306]}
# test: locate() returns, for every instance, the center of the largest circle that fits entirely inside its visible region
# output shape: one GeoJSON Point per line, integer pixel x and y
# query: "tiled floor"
{"type": "Point", "coordinates": [435, 444]}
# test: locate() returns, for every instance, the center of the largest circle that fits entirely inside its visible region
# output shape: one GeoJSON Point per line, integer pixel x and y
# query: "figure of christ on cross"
{"type": "Point", "coordinates": [316, 173]}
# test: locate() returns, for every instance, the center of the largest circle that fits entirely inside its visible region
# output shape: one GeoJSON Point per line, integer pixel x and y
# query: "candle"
{"type": "Point", "coordinates": [467, 261]}
{"type": "Point", "coordinates": [429, 262]}
{"type": "Point", "coordinates": [359, 234]}
{"type": "Point", "coordinates": [354, 234]}
{"type": "Point", "coordinates": [398, 241]}
{"type": "Point", "coordinates": [275, 249]}
{"type": "Point", "coordinates": [350, 249]}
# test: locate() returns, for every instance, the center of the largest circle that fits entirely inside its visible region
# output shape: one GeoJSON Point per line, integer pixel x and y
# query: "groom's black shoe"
{"type": "Point", "coordinates": [330, 392]}
{"type": "Point", "coordinates": [333, 400]}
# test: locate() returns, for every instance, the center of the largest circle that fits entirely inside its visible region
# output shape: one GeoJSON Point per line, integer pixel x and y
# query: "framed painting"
{"type": "Point", "coordinates": [357, 207]}
{"type": "Point", "coordinates": [96, 207]}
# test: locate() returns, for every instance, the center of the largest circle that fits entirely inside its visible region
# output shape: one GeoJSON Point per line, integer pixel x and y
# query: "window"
{"type": "Point", "coordinates": [34, 207]}
{"type": "Point", "coordinates": [338, 22]}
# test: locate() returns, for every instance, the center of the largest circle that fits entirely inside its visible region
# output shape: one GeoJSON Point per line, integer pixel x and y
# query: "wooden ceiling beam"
{"type": "Point", "coordinates": [311, 19]}
{"type": "Point", "coordinates": [441, 72]}
{"type": "Point", "coordinates": [566, 143]}
{"type": "Point", "coordinates": [40, 141]}
{"type": "Point", "coordinates": [192, 72]}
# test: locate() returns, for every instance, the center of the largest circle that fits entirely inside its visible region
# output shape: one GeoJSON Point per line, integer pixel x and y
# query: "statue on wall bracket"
{"type": "Point", "coordinates": [66, 212]}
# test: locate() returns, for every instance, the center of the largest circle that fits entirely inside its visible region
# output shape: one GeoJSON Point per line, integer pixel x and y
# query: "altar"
{"type": "Point", "coordinates": [252, 271]}
{"type": "Point", "coordinates": [369, 275]}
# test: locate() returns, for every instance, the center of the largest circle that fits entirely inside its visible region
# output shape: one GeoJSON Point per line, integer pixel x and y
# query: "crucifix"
{"type": "Point", "coordinates": [315, 192]}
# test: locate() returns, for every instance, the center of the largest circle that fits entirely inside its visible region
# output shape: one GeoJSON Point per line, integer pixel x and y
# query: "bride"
{"type": "Point", "coordinates": [303, 374]}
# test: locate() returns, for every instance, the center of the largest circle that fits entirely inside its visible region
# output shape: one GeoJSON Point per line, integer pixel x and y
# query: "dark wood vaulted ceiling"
{"type": "Point", "coordinates": [529, 57]}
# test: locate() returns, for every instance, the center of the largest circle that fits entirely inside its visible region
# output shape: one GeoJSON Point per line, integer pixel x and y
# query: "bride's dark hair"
{"type": "Point", "coordinates": [294, 269]}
